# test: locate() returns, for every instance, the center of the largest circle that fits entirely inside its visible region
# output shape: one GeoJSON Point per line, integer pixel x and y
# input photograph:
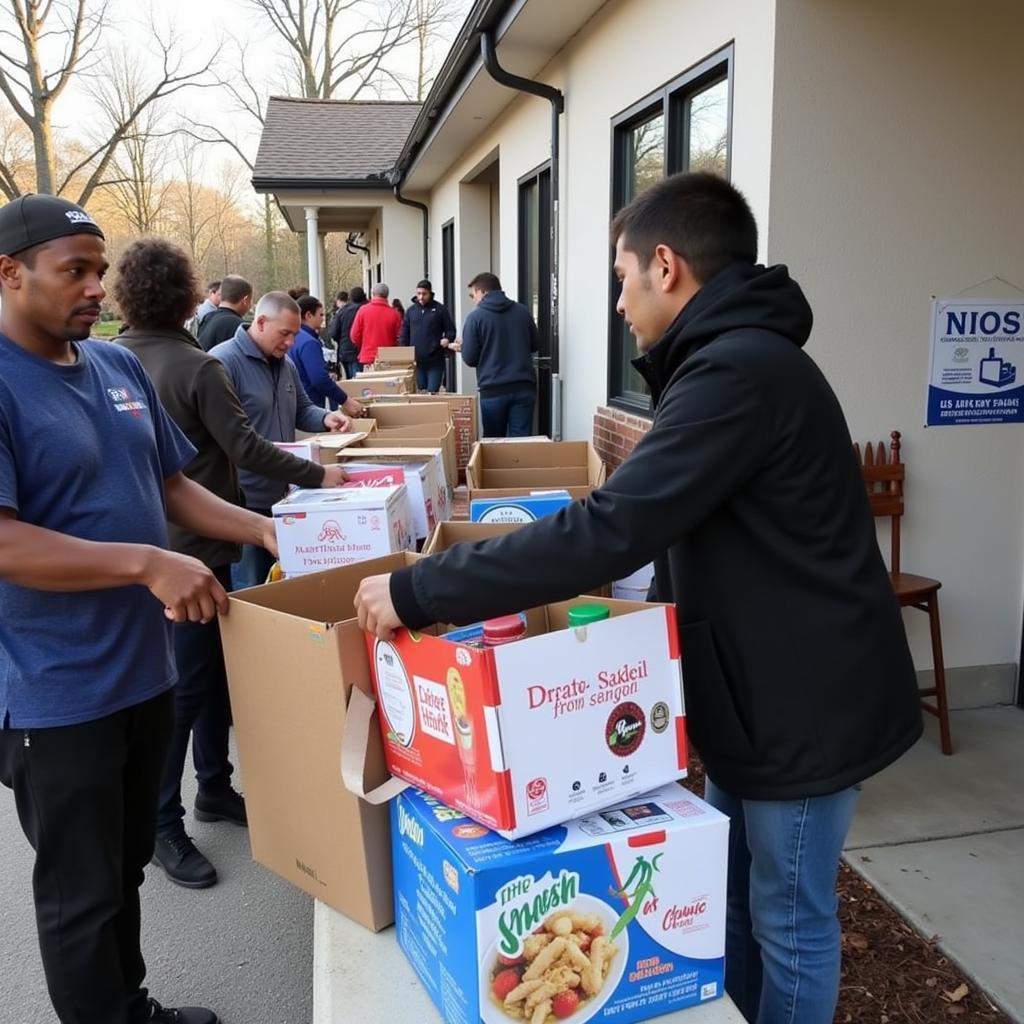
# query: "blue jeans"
{"type": "Point", "coordinates": [251, 570]}
{"type": "Point", "coordinates": [351, 367]}
{"type": "Point", "coordinates": [782, 946]}
{"type": "Point", "coordinates": [429, 377]}
{"type": "Point", "coordinates": [201, 709]}
{"type": "Point", "coordinates": [508, 415]}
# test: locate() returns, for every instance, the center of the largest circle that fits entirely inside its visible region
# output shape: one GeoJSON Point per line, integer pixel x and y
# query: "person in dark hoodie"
{"type": "Point", "coordinates": [745, 491]}
{"type": "Point", "coordinates": [429, 328]}
{"type": "Point", "coordinates": [499, 338]}
{"type": "Point", "coordinates": [221, 324]}
{"type": "Point", "coordinates": [341, 332]}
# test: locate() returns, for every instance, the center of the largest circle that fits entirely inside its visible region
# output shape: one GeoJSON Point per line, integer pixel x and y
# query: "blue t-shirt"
{"type": "Point", "coordinates": [84, 451]}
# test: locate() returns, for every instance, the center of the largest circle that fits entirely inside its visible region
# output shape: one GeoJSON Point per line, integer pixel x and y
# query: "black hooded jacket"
{"type": "Point", "coordinates": [746, 492]}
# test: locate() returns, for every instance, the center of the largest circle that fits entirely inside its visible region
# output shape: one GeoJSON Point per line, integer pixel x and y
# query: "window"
{"type": "Point", "coordinates": [684, 126]}
{"type": "Point", "coordinates": [535, 275]}
{"type": "Point", "coordinates": [448, 292]}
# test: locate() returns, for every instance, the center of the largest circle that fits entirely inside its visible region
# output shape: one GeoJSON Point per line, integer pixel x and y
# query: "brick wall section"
{"type": "Point", "coordinates": [616, 433]}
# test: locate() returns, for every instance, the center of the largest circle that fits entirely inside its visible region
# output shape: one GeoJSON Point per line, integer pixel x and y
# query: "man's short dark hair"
{"type": "Point", "coordinates": [485, 282]}
{"type": "Point", "coordinates": [309, 304]}
{"type": "Point", "coordinates": [156, 284]}
{"type": "Point", "coordinates": [213, 286]}
{"type": "Point", "coordinates": [358, 294]}
{"type": "Point", "coordinates": [342, 296]}
{"type": "Point", "coordinates": [298, 291]}
{"type": "Point", "coordinates": [234, 288]}
{"type": "Point", "coordinates": [700, 216]}
{"type": "Point", "coordinates": [425, 284]}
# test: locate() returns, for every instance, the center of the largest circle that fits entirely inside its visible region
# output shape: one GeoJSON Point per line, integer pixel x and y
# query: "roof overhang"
{"type": "Point", "coordinates": [465, 101]}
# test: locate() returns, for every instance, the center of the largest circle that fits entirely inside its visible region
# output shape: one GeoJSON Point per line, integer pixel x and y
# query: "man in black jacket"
{"type": "Point", "coordinates": [799, 682]}
{"type": "Point", "coordinates": [221, 324]}
{"type": "Point", "coordinates": [429, 328]}
{"type": "Point", "coordinates": [155, 283]}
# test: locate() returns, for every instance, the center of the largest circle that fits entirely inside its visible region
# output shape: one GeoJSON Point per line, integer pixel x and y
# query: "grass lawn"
{"type": "Point", "coordinates": [106, 329]}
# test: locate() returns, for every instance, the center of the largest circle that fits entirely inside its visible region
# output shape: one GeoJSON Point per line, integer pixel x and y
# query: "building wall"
{"type": "Point", "coordinates": [615, 60]}
{"type": "Point", "coordinates": [896, 177]}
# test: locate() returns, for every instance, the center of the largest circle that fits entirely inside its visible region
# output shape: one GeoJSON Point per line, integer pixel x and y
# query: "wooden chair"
{"type": "Point", "coordinates": [884, 474]}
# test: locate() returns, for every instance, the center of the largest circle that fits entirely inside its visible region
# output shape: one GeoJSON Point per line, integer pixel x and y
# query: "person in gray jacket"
{"type": "Point", "coordinates": [272, 395]}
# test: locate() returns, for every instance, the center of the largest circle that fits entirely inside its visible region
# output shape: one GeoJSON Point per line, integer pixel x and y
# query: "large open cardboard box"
{"type": "Point", "coordinates": [446, 535]}
{"type": "Point", "coordinates": [424, 435]}
{"type": "Point", "coordinates": [498, 470]}
{"type": "Point", "coordinates": [294, 653]}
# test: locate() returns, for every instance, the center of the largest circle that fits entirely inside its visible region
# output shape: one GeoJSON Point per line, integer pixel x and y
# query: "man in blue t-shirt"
{"type": "Point", "coordinates": [90, 472]}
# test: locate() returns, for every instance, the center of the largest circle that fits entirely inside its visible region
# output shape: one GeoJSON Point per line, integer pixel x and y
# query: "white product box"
{"type": "Point", "coordinates": [324, 528]}
{"type": "Point", "coordinates": [420, 479]}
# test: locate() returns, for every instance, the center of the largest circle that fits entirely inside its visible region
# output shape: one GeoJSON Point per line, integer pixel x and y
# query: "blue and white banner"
{"type": "Point", "coordinates": [977, 362]}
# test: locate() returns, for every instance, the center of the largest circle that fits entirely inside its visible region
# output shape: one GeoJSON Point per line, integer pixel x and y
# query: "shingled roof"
{"type": "Point", "coordinates": [330, 143]}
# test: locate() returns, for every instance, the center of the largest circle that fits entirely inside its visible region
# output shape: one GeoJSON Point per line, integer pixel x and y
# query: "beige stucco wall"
{"type": "Point", "coordinates": [896, 158]}
{"type": "Point", "coordinates": [615, 60]}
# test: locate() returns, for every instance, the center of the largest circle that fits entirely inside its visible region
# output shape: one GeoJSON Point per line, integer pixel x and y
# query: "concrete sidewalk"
{"type": "Point", "coordinates": [942, 839]}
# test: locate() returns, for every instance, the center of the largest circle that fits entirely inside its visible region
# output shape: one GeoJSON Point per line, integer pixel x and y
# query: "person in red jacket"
{"type": "Point", "coordinates": [376, 326]}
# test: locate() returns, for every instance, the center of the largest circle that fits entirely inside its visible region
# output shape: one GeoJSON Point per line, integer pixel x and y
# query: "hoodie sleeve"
{"type": "Point", "coordinates": [708, 440]}
{"type": "Point", "coordinates": [356, 333]}
{"type": "Point", "coordinates": [470, 341]}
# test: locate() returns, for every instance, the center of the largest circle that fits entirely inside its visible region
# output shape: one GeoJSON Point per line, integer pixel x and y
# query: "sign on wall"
{"type": "Point", "coordinates": [977, 362]}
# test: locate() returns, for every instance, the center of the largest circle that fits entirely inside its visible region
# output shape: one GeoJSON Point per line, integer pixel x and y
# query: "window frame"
{"type": "Point", "coordinates": [671, 100]}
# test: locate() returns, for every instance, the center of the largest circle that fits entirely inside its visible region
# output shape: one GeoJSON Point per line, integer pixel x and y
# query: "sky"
{"type": "Point", "coordinates": [200, 26]}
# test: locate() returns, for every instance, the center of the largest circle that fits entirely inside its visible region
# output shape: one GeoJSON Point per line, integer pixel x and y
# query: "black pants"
{"type": "Point", "coordinates": [202, 710]}
{"type": "Point", "coordinates": [86, 798]}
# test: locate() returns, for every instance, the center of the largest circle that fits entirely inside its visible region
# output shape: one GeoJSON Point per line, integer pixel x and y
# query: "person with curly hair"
{"type": "Point", "coordinates": [155, 289]}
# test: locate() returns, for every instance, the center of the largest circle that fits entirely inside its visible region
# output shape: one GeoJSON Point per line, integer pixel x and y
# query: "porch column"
{"type": "Point", "coordinates": [322, 283]}
{"type": "Point", "coordinates": [313, 251]}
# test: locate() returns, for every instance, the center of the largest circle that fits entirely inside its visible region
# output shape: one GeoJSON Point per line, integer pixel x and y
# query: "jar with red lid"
{"type": "Point", "coordinates": [504, 630]}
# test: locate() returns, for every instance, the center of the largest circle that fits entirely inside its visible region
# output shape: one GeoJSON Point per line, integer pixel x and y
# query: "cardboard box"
{"type": "Point", "coordinates": [370, 384]}
{"type": "Point", "coordinates": [446, 535]}
{"type": "Point", "coordinates": [331, 526]}
{"type": "Point", "coordinates": [392, 356]}
{"type": "Point", "coordinates": [465, 419]}
{"type": "Point", "coordinates": [427, 496]}
{"type": "Point", "coordinates": [536, 732]}
{"type": "Point", "coordinates": [441, 496]}
{"type": "Point", "coordinates": [521, 508]}
{"type": "Point", "coordinates": [328, 445]}
{"type": "Point", "coordinates": [639, 888]}
{"type": "Point", "coordinates": [506, 469]}
{"type": "Point", "coordinates": [308, 449]}
{"type": "Point", "coordinates": [423, 435]}
{"type": "Point", "coordinates": [294, 653]}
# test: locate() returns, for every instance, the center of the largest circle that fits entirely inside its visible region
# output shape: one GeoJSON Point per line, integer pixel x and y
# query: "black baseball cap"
{"type": "Point", "coordinates": [33, 219]}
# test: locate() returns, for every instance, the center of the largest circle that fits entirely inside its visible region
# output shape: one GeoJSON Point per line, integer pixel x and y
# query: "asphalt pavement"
{"type": "Point", "coordinates": [243, 947]}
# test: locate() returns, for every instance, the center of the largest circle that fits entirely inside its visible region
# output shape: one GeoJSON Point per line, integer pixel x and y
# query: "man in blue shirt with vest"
{"type": "Point", "coordinates": [90, 472]}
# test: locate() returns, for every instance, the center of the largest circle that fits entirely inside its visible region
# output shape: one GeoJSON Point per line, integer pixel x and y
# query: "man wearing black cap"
{"type": "Point", "coordinates": [90, 472]}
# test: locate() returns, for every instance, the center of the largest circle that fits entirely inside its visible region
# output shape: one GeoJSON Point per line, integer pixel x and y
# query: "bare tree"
{"type": "Point", "coordinates": [32, 86]}
{"type": "Point", "coordinates": [340, 47]}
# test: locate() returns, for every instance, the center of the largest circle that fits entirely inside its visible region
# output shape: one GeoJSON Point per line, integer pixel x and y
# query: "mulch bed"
{"type": "Point", "coordinates": [891, 973]}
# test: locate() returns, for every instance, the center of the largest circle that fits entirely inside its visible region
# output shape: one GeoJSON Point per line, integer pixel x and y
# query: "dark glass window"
{"type": "Point", "coordinates": [684, 126]}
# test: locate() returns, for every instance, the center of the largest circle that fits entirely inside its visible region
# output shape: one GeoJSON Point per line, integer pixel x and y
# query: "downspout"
{"type": "Point", "coordinates": [557, 100]}
{"type": "Point", "coordinates": [351, 245]}
{"type": "Point", "coordinates": [424, 209]}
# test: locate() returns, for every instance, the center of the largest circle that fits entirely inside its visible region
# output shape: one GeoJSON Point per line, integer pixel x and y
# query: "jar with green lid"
{"type": "Point", "coordinates": [585, 614]}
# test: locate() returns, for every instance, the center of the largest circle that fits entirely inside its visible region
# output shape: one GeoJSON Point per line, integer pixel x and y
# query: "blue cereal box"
{"type": "Point", "coordinates": [523, 508]}
{"type": "Point", "coordinates": [615, 916]}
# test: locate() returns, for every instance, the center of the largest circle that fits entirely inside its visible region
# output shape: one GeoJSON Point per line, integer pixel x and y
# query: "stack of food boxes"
{"type": "Point", "coordinates": [547, 866]}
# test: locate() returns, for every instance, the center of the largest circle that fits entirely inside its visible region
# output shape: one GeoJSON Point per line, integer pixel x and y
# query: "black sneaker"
{"type": "Point", "coordinates": [229, 807]}
{"type": "Point", "coordinates": [184, 1015]}
{"type": "Point", "coordinates": [184, 865]}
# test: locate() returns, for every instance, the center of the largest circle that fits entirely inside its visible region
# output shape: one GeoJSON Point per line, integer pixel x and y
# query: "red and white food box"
{"type": "Point", "coordinates": [420, 479]}
{"type": "Point", "coordinates": [542, 730]}
{"type": "Point", "coordinates": [327, 527]}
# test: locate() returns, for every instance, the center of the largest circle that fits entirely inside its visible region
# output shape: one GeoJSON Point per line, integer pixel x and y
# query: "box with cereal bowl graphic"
{"type": "Point", "coordinates": [615, 916]}
{"type": "Point", "coordinates": [541, 730]}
